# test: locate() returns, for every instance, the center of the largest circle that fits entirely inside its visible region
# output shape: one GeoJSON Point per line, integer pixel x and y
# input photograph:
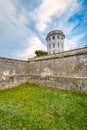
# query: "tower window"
{"type": "Point", "coordinates": [53, 37]}
{"type": "Point", "coordinates": [49, 46]}
{"type": "Point", "coordinates": [49, 38]}
{"type": "Point", "coordinates": [58, 36]}
{"type": "Point", "coordinates": [61, 38]}
{"type": "Point", "coordinates": [53, 45]}
{"type": "Point", "coordinates": [58, 45]}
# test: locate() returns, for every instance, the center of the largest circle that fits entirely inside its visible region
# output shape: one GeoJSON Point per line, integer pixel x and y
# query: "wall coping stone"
{"type": "Point", "coordinates": [59, 76]}
{"type": "Point", "coordinates": [4, 58]}
{"type": "Point", "coordinates": [60, 55]}
{"type": "Point", "coordinates": [52, 56]}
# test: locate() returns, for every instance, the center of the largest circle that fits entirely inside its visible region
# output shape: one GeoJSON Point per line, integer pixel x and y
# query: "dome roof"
{"type": "Point", "coordinates": [55, 32]}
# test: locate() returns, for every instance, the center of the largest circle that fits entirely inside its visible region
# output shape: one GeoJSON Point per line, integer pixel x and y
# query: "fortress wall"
{"type": "Point", "coordinates": [12, 72]}
{"type": "Point", "coordinates": [67, 70]}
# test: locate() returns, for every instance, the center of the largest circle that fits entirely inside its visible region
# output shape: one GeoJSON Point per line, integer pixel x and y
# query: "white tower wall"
{"type": "Point", "coordinates": [55, 41]}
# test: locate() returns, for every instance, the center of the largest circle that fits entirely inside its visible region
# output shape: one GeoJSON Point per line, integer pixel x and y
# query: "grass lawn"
{"type": "Point", "coordinates": [30, 107]}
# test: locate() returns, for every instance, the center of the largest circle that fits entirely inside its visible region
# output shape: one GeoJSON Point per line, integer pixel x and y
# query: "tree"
{"type": "Point", "coordinates": [40, 53]}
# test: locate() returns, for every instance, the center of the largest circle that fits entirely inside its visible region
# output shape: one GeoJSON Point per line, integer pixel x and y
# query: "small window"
{"type": "Point", "coordinates": [49, 38]}
{"type": "Point", "coordinates": [58, 45]}
{"type": "Point", "coordinates": [58, 36]}
{"type": "Point", "coordinates": [61, 38]}
{"type": "Point", "coordinates": [53, 37]}
{"type": "Point", "coordinates": [53, 45]}
{"type": "Point", "coordinates": [49, 46]}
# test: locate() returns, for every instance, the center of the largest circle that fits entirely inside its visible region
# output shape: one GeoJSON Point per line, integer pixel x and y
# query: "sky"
{"type": "Point", "coordinates": [24, 25]}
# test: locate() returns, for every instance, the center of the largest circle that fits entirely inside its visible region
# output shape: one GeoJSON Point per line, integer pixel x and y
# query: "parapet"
{"type": "Point", "coordinates": [55, 32]}
{"type": "Point", "coordinates": [80, 51]}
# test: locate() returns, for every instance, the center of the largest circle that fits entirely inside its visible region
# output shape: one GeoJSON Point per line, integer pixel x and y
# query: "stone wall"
{"type": "Point", "coordinates": [12, 72]}
{"type": "Point", "coordinates": [67, 70]}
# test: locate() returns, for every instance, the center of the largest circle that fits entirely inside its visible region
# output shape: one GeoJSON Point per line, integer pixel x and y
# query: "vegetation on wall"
{"type": "Point", "coordinates": [40, 53]}
{"type": "Point", "coordinates": [30, 107]}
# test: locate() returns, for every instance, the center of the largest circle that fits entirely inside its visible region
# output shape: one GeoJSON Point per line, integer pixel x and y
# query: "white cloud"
{"type": "Point", "coordinates": [13, 26]}
{"type": "Point", "coordinates": [63, 11]}
{"type": "Point", "coordinates": [57, 8]}
{"type": "Point", "coordinates": [12, 23]}
{"type": "Point", "coordinates": [14, 18]}
{"type": "Point", "coordinates": [32, 43]}
{"type": "Point", "coordinates": [9, 12]}
{"type": "Point", "coordinates": [72, 43]}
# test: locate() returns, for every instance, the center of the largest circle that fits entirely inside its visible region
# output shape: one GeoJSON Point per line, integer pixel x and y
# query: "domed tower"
{"type": "Point", "coordinates": [55, 41]}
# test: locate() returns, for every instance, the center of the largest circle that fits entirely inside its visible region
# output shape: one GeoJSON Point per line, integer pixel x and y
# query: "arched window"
{"type": "Point", "coordinates": [53, 37]}
{"type": "Point", "coordinates": [53, 45]}
{"type": "Point", "coordinates": [61, 38]}
{"type": "Point", "coordinates": [49, 46]}
{"type": "Point", "coordinates": [58, 45]}
{"type": "Point", "coordinates": [58, 36]}
{"type": "Point", "coordinates": [49, 38]}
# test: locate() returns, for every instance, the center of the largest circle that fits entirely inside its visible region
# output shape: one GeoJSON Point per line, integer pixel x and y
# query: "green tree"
{"type": "Point", "coordinates": [40, 53]}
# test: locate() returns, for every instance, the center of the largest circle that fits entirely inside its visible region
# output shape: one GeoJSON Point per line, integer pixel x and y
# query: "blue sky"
{"type": "Point", "coordinates": [24, 25]}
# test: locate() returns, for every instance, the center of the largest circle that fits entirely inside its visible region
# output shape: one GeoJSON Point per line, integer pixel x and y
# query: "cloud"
{"type": "Point", "coordinates": [14, 30]}
{"type": "Point", "coordinates": [43, 14]}
{"type": "Point", "coordinates": [55, 15]}
{"type": "Point", "coordinates": [12, 24]}
{"type": "Point", "coordinates": [32, 43]}
{"type": "Point", "coordinates": [72, 43]}
{"type": "Point", "coordinates": [9, 12]}
{"type": "Point", "coordinates": [22, 30]}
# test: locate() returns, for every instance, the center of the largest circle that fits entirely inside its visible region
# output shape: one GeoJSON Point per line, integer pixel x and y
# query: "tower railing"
{"type": "Point", "coordinates": [74, 46]}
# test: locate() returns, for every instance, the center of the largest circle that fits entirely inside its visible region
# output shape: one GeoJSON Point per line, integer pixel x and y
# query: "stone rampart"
{"type": "Point", "coordinates": [66, 70]}
{"type": "Point", "coordinates": [12, 72]}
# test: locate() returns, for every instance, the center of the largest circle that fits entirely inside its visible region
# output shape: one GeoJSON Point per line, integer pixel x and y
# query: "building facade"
{"type": "Point", "coordinates": [55, 41]}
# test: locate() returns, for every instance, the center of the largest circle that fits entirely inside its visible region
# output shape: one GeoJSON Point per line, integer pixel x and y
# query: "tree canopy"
{"type": "Point", "coordinates": [40, 53]}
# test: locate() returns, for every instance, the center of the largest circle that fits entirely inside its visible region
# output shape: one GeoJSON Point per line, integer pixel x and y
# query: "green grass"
{"type": "Point", "coordinates": [29, 107]}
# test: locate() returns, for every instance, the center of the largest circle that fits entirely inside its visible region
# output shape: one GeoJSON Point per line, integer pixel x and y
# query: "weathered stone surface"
{"type": "Point", "coordinates": [75, 66]}
{"type": "Point", "coordinates": [63, 83]}
{"type": "Point", "coordinates": [66, 70]}
{"type": "Point", "coordinates": [12, 72]}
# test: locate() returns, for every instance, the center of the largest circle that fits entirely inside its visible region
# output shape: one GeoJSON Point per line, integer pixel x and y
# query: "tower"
{"type": "Point", "coordinates": [55, 41]}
